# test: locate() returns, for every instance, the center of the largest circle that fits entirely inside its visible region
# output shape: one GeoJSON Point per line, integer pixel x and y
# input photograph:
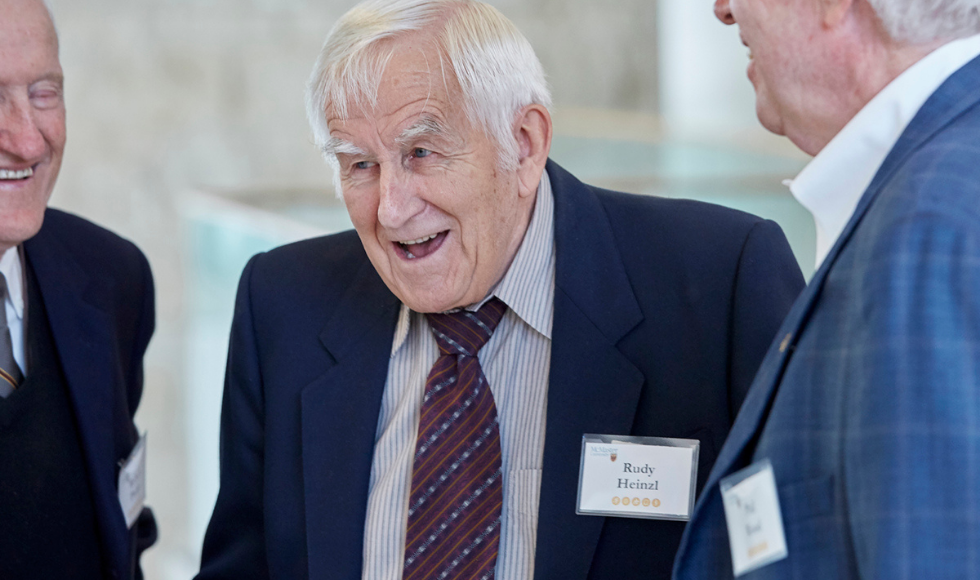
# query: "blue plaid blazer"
{"type": "Point", "coordinates": [868, 403]}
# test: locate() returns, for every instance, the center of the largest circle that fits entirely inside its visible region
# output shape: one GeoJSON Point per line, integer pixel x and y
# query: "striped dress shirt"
{"type": "Point", "coordinates": [516, 361]}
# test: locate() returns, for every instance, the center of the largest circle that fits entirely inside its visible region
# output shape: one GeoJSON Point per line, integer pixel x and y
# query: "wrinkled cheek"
{"type": "Point", "coordinates": [362, 210]}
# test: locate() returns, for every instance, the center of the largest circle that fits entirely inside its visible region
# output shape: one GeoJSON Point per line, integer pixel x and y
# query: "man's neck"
{"type": "Point", "coordinates": [869, 61]}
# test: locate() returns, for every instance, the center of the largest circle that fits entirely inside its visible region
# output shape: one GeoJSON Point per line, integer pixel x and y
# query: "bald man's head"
{"type": "Point", "coordinates": [32, 117]}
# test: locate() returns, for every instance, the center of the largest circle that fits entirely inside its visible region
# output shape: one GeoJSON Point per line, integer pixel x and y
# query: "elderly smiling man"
{"type": "Point", "coordinates": [76, 314]}
{"type": "Point", "coordinates": [359, 436]}
{"type": "Point", "coordinates": [859, 443]}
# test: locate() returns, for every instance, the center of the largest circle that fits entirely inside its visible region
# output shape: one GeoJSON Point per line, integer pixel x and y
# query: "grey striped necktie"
{"type": "Point", "coordinates": [10, 375]}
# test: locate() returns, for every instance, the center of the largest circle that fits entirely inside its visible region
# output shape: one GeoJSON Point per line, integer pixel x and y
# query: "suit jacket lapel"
{"type": "Point", "coordinates": [593, 388]}
{"type": "Point", "coordinates": [339, 423]}
{"type": "Point", "coordinates": [82, 333]}
{"type": "Point", "coordinates": [959, 93]}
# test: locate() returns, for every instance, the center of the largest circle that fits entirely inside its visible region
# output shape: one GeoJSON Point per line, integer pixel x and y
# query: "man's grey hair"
{"type": "Point", "coordinates": [493, 62]}
{"type": "Point", "coordinates": [923, 21]}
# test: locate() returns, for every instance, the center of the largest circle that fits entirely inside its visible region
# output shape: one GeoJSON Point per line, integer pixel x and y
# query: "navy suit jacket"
{"type": "Point", "coordinates": [98, 293]}
{"type": "Point", "coordinates": [663, 310]}
{"type": "Point", "coordinates": [868, 405]}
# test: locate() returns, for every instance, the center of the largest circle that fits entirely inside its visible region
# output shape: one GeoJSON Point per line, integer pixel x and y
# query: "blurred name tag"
{"type": "Point", "coordinates": [637, 477]}
{"type": "Point", "coordinates": [755, 522]}
{"type": "Point", "coordinates": [132, 483]}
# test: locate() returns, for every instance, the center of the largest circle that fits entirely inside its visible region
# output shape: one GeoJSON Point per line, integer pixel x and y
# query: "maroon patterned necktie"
{"type": "Point", "coordinates": [455, 503]}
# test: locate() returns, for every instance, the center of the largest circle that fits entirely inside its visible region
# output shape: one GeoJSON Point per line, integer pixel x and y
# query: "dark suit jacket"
{"type": "Point", "coordinates": [663, 310]}
{"type": "Point", "coordinates": [98, 293]}
{"type": "Point", "coordinates": [868, 405]}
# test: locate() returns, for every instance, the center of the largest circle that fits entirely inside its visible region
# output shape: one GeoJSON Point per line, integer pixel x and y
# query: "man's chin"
{"type": "Point", "coordinates": [427, 304]}
{"type": "Point", "coordinates": [429, 300]}
{"type": "Point", "coordinates": [16, 228]}
{"type": "Point", "coordinates": [770, 121]}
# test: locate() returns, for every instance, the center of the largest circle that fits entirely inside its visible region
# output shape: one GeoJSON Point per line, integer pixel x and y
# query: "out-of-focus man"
{"type": "Point", "coordinates": [855, 453]}
{"type": "Point", "coordinates": [359, 438]}
{"type": "Point", "coordinates": [76, 314]}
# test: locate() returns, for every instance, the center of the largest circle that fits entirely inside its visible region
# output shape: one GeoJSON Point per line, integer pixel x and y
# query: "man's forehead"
{"type": "Point", "coordinates": [415, 92]}
{"type": "Point", "coordinates": [27, 37]}
{"type": "Point", "coordinates": [28, 18]}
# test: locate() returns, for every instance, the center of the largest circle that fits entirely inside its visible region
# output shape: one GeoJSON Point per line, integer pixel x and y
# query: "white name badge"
{"type": "Point", "coordinates": [755, 522]}
{"type": "Point", "coordinates": [132, 482]}
{"type": "Point", "coordinates": [637, 477]}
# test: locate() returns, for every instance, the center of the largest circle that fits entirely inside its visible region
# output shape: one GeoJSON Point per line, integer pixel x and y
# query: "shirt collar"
{"type": "Point", "coordinates": [12, 270]}
{"type": "Point", "coordinates": [528, 287]}
{"type": "Point", "coordinates": [832, 184]}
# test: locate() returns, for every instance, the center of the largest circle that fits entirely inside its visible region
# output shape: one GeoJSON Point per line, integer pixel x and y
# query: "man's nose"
{"type": "Point", "coordinates": [398, 201]}
{"type": "Point", "coordinates": [20, 136]}
{"type": "Point", "coordinates": [724, 12]}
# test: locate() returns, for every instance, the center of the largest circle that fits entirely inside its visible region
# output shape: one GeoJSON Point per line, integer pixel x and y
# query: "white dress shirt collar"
{"type": "Point", "coordinates": [12, 270]}
{"type": "Point", "coordinates": [528, 287]}
{"type": "Point", "coordinates": [832, 184]}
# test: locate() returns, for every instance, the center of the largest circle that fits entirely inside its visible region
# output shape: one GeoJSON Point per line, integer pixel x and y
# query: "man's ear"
{"type": "Point", "coordinates": [532, 129]}
{"type": "Point", "coordinates": [833, 12]}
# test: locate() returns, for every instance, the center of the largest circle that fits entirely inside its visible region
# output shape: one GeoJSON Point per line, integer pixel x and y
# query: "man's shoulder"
{"type": "Point", "coordinates": [683, 215]}
{"type": "Point", "coordinates": [341, 252]}
{"type": "Point", "coordinates": [940, 179]}
{"type": "Point", "coordinates": [315, 269]}
{"type": "Point", "coordinates": [649, 217]}
{"type": "Point", "coordinates": [93, 247]}
{"type": "Point", "coordinates": [678, 230]}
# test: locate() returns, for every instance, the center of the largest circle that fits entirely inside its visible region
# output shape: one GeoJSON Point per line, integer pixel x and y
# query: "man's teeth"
{"type": "Point", "coordinates": [22, 174]}
{"type": "Point", "coordinates": [420, 240]}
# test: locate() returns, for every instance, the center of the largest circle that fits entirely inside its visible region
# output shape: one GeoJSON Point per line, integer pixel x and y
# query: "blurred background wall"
{"type": "Point", "coordinates": [187, 134]}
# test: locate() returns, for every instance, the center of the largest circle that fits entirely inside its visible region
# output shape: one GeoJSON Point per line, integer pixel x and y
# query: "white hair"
{"type": "Point", "coordinates": [923, 21]}
{"type": "Point", "coordinates": [494, 64]}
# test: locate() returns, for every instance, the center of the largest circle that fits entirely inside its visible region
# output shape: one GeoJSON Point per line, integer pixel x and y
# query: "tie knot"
{"type": "Point", "coordinates": [464, 332]}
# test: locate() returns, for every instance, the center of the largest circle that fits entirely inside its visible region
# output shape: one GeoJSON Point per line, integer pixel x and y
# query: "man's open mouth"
{"type": "Point", "coordinates": [16, 174]}
{"type": "Point", "coordinates": [421, 247]}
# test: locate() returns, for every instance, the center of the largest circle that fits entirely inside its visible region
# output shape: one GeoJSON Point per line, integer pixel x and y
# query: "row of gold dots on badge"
{"type": "Point", "coordinates": [635, 501]}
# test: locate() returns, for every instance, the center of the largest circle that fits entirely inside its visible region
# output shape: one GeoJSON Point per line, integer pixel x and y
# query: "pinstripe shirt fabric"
{"type": "Point", "coordinates": [516, 361]}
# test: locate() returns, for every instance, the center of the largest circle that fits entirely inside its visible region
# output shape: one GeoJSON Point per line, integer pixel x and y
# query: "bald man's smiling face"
{"type": "Point", "coordinates": [32, 118]}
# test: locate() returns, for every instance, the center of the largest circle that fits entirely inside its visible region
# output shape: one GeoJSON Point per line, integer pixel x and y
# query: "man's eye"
{"type": "Point", "coordinates": [363, 165]}
{"type": "Point", "coordinates": [45, 99]}
{"type": "Point", "coordinates": [420, 152]}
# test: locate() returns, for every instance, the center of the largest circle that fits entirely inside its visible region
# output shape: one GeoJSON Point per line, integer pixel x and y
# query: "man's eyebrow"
{"type": "Point", "coordinates": [336, 146]}
{"type": "Point", "coordinates": [426, 126]}
{"type": "Point", "coordinates": [54, 77]}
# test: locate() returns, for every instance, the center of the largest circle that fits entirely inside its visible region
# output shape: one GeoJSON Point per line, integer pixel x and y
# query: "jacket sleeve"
{"type": "Point", "coordinates": [911, 441]}
{"type": "Point", "coordinates": [144, 331]}
{"type": "Point", "coordinates": [145, 530]}
{"type": "Point", "coordinates": [766, 285]}
{"type": "Point", "coordinates": [234, 545]}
